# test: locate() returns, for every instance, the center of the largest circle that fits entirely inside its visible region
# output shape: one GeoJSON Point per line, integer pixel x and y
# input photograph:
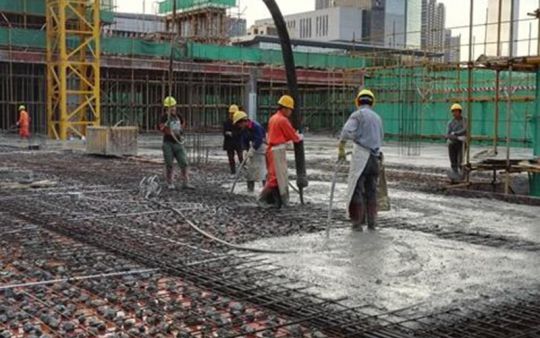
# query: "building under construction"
{"type": "Point", "coordinates": [94, 246]}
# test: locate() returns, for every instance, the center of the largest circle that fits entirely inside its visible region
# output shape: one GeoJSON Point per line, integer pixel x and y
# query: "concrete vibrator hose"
{"type": "Point", "coordinates": [221, 241]}
{"type": "Point", "coordinates": [292, 83]}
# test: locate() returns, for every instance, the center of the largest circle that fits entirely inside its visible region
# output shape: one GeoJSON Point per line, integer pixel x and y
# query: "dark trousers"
{"type": "Point", "coordinates": [232, 163]}
{"type": "Point", "coordinates": [364, 200]}
{"type": "Point", "coordinates": [366, 187]}
{"type": "Point", "coordinates": [271, 196]}
{"type": "Point", "coordinates": [455, 152]}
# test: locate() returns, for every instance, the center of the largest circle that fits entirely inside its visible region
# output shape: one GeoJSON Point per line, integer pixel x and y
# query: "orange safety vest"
{"type": "Point", "coordinates": [280, 131]}
{"type": "Point", "coordinates": [24, 124]}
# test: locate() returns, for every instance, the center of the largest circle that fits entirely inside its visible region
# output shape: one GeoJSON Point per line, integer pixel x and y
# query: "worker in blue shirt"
{"type": "Point", "coordinates": [253, 142]}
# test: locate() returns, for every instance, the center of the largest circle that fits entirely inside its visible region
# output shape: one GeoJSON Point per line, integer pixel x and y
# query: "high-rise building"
{"type": "Point", "coordinates": [403, 23]}
{"type": "Point", "coordinates": [439, 27]}
{"type": "Point", "coordinates": [433, 26]}
{"type": "Point", "coordinates": [503, 47]}
{"type": "Point", "coordinates": [373, 17]}
{"type": "Point", "coordinates": [435, 37]}
{"type": "Point", "coordinates": [413, 23]}
{"type": "Point", "coordinates": [452, 47]}
{"type": "Point", "coordinates": [236, 27]}
{"type": "Point", "coordinates": [322, 4]}
{"type": "Point", "coordinates": [395, 23]}
{"type": "Point", "coordinates": [329, 24]}
{"type": "Point", "coordinates": [385, 22]}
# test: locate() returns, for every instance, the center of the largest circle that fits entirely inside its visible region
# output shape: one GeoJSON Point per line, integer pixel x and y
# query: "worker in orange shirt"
{"type": "Point", "coordinates": [23, 123]}
{"type": "Point", "coordinates": [280, 132]}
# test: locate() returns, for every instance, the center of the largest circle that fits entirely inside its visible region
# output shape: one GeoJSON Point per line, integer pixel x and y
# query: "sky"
{"type": "Point", "coordinates": [457, 15]}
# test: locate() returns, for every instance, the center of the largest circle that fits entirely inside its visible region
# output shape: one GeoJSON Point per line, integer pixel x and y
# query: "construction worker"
{"type": "Point", "coordinates": [456, 135]}
{"type": "Point", "coordinates": [232, 142]}
{"type": "Point", "coordinates": [23, 123]}
{"type": "Point", "coordinates": [280, 132]}
{"type": "Point", "coordinates": [253, 140]}
{"type": "Point", "coordinates": [172, 125]}
{"type": "Point", "coordinates": [364, 127]}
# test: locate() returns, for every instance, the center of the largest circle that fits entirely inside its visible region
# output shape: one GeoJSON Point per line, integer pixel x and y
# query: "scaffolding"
{"type": "Point", "coordinates": [198, 20]}
{"type": "Point", "coordinates": [500, 96]}
{"type": "Point", "coordinates": [414, 90]}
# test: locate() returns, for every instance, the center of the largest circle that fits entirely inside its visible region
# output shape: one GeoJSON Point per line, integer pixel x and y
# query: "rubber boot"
{"type": "Point", "coordinates": [266, 198]}
{"type": "Point", "coordinates": [169, 175]}
{"type": "Point", "coordinates": [232, 166]}
{"type": "Point", "coordinates": [251, 186]}
{"type": "Point", "coordinates": [357, 213]}
{"type": "Point", "coordinates": [372, 214]}
{"type": "Point", "coordinates": [278, 202]}
{"type": "Point", "coordinates": [185, 180]}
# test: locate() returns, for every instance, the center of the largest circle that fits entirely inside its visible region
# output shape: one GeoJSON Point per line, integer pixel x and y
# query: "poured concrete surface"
{"type": "Point", "coordinates": [397, 268]}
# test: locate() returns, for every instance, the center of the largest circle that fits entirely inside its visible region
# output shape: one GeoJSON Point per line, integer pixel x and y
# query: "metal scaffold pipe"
{"type": "Point", "coordinates": [470, 67]}
{"type": "Point", "coordinates": [171, 56]}
{"type": "Point", "coordinates": [535, 121]}
{"type": "Point", "coordinates": [534, 188]}
{"type": "Point", "coordinates": [510, 91]}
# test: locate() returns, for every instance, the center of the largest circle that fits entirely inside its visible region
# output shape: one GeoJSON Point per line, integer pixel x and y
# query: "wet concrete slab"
{"type": "Point", "coordinates": [397, 268]}
{"type": "Point", "coordinates": [452, 213]}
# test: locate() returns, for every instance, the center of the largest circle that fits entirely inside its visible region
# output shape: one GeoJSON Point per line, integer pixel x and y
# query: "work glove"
{"type": "Point", "coordinates": [342, 156]}
{"type": "Point", "coordinates": [300, 137]}
{"type": "Point", "coordinates": [17, 124]}
{"type": "Point", "coordinates": [228, 133]}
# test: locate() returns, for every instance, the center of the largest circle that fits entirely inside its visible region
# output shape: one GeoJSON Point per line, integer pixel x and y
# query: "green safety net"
{"type": "Point", "coordinates": [32, 7]}
{"type": "Point", "coordinates": [413, 101]}
{"type": "Point", "coordinates": [24, 38]}
{"type": "Point", "coordinates": [37, 8]}
{"type": "Point", "coordinates": [416, 101]}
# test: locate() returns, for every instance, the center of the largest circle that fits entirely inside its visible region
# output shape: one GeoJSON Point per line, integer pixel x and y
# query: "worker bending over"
{"type": "Point", "coordinates": [253, 140]}
{"type": "Point", "coordinates": [280, 132]}
{"type": "Point", "coordinates": [172, 125]}
{"type": "Point", "coordinates": [364, 127]}
{"type": "Point", "coordinates": [456, 135]}
{"type": "Point", "coordinates": [23, 123]}
{"type": "Point", "coordinates": [232, 142]}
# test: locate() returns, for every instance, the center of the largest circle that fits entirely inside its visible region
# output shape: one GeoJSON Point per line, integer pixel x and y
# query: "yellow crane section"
{"type": "Point", "coordinates": [73, 67]}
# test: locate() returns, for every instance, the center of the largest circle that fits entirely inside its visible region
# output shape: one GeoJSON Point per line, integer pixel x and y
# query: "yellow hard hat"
{"type": "Point", "coordinates": [22, 107]}
{"type": "Point", "coordinates": [364, 93]}
{"type": "Point", "coordinates": [169, 102]}
{"type": "Point", "coordinates": [456, 106]}
{"type": "Point", "coordinates": [239, 116]}
{"type": "Point", "coordinates": [233, 109]}
{"type": "Point", "coordinates": [286, 101]}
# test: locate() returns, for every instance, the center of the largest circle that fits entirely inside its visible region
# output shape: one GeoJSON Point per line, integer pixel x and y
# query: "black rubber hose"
{"type": "Point", "coordinates": [292, 83]}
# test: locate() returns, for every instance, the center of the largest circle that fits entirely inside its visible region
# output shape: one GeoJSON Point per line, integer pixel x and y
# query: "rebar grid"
{"type": "Point", "coordinates": [114, 230]}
